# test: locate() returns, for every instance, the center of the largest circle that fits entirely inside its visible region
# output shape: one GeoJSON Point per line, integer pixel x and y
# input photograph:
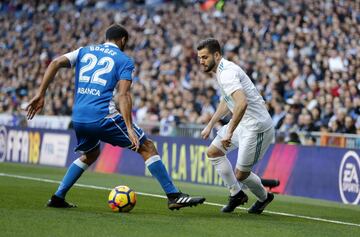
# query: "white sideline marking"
{"type": "Point", "coordinates": [164, 197]}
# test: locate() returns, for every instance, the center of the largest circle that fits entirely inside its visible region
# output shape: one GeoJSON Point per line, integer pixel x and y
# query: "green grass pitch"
{"type": "Point", "coordinates": [23, 211]}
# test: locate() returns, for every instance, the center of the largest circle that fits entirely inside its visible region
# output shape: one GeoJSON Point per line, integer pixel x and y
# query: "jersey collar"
{"type": "Point", "coordinates": [111, 44]}
{"type": "Point", "coordinates": [220, 66]}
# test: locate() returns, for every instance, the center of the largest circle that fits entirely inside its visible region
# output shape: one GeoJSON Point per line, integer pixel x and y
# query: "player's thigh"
{"type": "Point", "coordinates": [114, 131]}
{"type": "Point", "coordinates": [252, 147]}
{"type": "Point", "coordinates": [216, 143]}
{"type": "Point", "coordinates": [86, 134]}
{"type": "Point", "coordinates": [268, 138]}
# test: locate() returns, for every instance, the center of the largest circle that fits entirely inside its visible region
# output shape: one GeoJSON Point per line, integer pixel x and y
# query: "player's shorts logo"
{"type": "Point", "coordinates": [3, 140]}
{"type": "Point", "coordinates": [349, 172]}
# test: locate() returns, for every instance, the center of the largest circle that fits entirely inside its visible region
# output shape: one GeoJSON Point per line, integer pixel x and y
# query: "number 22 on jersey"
{"type": "Point", "coordinates": [104, 66]}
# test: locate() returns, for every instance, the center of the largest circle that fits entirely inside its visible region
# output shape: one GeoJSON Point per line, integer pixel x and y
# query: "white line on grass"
{"type": "Point", "coordinates": [161, 196]}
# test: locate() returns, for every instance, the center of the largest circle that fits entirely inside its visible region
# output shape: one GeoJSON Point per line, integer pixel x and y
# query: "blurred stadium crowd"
{"type": "Point", "coordinates": [301, 54]}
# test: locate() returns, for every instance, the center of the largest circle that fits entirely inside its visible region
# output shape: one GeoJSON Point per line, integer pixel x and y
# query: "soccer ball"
{"type": "Point", "coordinates": [122, 199]}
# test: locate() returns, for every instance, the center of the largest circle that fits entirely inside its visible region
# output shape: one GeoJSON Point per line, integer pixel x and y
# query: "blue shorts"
{"type": "Point", "coordinates": [110, 130]}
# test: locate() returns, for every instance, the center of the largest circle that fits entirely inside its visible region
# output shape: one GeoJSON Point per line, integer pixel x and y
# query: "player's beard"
{"type": "Point", "coordinates": [211, 65]}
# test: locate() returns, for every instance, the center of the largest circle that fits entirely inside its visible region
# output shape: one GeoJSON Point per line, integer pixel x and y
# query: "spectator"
{"type": "Point", "coordinates": [293, 139]}
{"type": "Point", "coordinates": [349, 125]}
{"type": "Point", "coordinates": [307, 123]}
{"type": "Point", "coordinates": [309, 140]}
{"type": "Point", "coordinates": [327, 114]}
{"type": "Point", "coordinates": [335, 127]}
{"type": "Point", "coordinates": [289, 125]}
{"type": "Point", "coordinates": [278, 115]}
{"type": "Point", "coordinates": [167, 123]}
{"type": "Point", "coordinates": [316, 121]}
{"type": "Point", "coordinates": [306, 55]}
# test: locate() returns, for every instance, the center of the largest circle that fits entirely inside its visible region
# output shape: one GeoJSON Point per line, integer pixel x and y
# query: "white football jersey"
{"type": "Point", "coordinates": [231, 78]}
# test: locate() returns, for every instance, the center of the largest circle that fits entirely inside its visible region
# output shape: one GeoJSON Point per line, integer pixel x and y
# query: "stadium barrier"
{"type": "Point", "coordinates": [37, 146]}
{"type": "Point", "coordinates": [351, 141]}
{"type": "Point", "coordinates": [316, 172]}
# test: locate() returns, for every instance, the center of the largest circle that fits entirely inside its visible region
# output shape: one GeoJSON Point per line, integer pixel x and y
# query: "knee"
{"type": "Point", "coordinates": [147, 149]}
{"type": "Point", "coordinates": [241, 175]}
{"type": "Point", "coordinates": [91, 157]}
{"type": "Point", "coordinates": [213, 152]}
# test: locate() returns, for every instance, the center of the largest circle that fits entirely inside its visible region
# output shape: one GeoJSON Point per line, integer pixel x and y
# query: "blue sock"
{"type": "Point", "coordinates": [158, 170]}
{"type": "Point", "coordinates": [72, 175]}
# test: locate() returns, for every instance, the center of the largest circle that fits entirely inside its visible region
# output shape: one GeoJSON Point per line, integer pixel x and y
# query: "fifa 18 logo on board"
{"type": "Point", "coordinates": [349, 185]}
{"type": "Point", "coordinates": [3, 139]}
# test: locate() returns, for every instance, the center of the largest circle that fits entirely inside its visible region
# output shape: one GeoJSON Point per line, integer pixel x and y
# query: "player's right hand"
{"type": "Point", "coordinates": [135, 144]}
{"type": "Point", "coordinates": [205, 133]}
{"type": "Point", "coordinates": [35, 105]}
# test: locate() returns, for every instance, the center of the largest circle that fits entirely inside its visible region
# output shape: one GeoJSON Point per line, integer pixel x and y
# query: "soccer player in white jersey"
{"type": "Point", "coordinates": [250, 128]}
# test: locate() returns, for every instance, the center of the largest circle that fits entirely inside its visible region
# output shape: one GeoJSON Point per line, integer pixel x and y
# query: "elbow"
{"type": "Point", "coordinates": [55, 63]}
{"type": "Point", "coordinates": [60, 62]}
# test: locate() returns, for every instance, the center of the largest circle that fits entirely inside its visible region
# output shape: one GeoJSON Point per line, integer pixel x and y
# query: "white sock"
{"type": "Point", "coordinates": [224, 169]}
{"type": "Point", "coordinates": [81, 164]}
{"type": "Point", "coordinates": [253, 182]}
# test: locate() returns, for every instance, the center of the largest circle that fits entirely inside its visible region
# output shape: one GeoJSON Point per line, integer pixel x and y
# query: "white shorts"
{"type": "Point", "coordinates": [252, 145]}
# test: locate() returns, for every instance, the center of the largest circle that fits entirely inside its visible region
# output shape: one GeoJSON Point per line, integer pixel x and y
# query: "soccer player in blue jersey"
{"type": "Point", "coordinates": [99, 70]}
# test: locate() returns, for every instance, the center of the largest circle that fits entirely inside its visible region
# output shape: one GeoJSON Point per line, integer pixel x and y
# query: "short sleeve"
{"type": "Point", "coordinates": [125, 73]}
{"type": "Point", "coordinates": [230, 81]}
{"type": "Point", "coordinates": [72, 56]}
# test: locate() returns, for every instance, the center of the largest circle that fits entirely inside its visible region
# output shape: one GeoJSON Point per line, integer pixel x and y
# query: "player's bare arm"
{"type": "Point", "coordinates": [240, 102]}
{"type": "Point", "coordinates": [220, 112]}
{"type": "Point", "coordinates": [125, 104]}
{"type": "Point", "coordinates": [37, 103]}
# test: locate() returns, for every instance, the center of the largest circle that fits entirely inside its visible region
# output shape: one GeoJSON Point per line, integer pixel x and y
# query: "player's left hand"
{"type": "Point", "coordinates": [135, 144]}
{"type": "Point", "coordinates": [226, 140]}
{"type": "Point", "coordinates": [35, 105]}
{"type": "Point", "coordinates": [206, 132]}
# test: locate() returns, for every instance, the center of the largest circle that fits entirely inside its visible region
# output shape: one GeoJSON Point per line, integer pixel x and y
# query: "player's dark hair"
{"type": "Point", "coordinates": [116, 31]}
{"type": "Point", "coordinates": [210, 44]}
